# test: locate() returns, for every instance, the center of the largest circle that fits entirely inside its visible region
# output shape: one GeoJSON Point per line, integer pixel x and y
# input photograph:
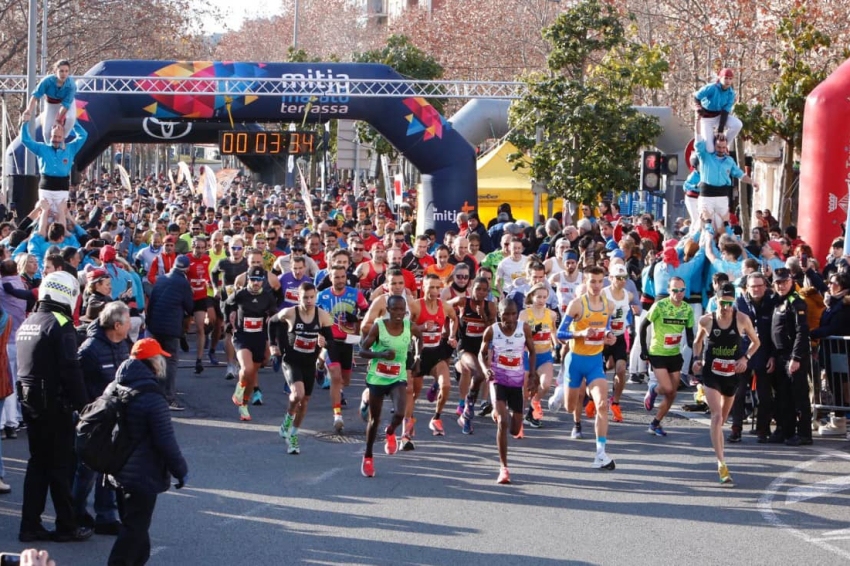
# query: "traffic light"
{"type": "Point", "coordinates": [670, 164]}
{"type": "Point", "coordinates": [650, 171]}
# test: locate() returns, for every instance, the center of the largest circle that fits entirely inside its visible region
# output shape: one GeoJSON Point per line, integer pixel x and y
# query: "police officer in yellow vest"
{"type": "Point", "coordinates": [51, 388]}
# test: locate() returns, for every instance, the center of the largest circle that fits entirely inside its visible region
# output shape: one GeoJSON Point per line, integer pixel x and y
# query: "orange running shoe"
{"type": "Point", "coordinates": [391, 444]}
{"type": "Point", "coordinates": [436, 426]}
{"type": "Point", "coordinates": [616, 412]}
{"type": "Point", "coordinates": [590, 409]}
{"type": "Point", "coordinates": [367, 468]}
{"type": "Point", "coordinates": [537, 412]}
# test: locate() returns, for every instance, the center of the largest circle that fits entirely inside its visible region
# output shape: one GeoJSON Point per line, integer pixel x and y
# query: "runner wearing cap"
{"type": "Point", "coordinates": [718, 353]}
{"type": "Point", "coordinates": [253, 307]}
{"type": "Point", "coordinates": [618, 353]}
{"type": "Point", "coordinates": [542, 321]}
{"type": "Point", "coordinates": [714, 104]}
{"type": "Point", "coordinates": [223, 276]}
{"type": "Point", "coordinates": [587, 325]}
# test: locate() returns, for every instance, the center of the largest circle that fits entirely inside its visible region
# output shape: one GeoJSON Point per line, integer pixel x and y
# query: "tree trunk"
{"type": "Point", "coordinates": [743, 194]}
{"type": "Point", "coordinates": [785, 208]}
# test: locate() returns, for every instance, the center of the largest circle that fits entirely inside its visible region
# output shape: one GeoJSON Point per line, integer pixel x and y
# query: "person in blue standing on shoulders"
{"type": "Point", "coordinates": [60, 91]}
{"type": "Point", "coordinates": [714, 103]}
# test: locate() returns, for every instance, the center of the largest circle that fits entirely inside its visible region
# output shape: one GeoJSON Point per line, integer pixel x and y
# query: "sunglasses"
{"type": "Point", "coordinates": [255, 279]}
{"type": "Point", "coordinates": [461, 276]}
{"type": "Point", "coordinates": [623, 278]}
{"type": "Point", "coordinates": [297, 249]}
{"type": "Point", "coordinates": [358, 249]}
{"type": "Point", "coordinates": [236, 248]}
{"type": "Point", "coordinates": [726, 303]}
{"type": "Point", "coordinates": [675, 290]}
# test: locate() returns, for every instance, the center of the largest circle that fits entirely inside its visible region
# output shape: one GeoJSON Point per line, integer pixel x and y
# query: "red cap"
{"type": "Point", "coordinates": [96, 275]}
{"type": "Point", "coordinates": [726, 73]}
{"type": "Point", "coordinates": [147, 348]}
{"type": "Point", "coordinates": [107, 253]}
{"type": "Point", "coordinates": [170, 240]}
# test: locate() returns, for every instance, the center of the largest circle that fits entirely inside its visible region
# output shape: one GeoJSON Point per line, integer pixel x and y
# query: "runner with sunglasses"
{"type": "Point", "coordinates": [618, 353]}
{"type": "Point", "coordinates": [669, 318]}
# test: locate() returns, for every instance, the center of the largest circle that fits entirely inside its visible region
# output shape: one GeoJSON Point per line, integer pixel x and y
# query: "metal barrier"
{"type": "Point", "coordinates": [831, 380]}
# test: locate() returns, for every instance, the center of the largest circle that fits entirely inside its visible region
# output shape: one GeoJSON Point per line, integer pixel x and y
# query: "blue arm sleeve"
{"type": "Point", "coordinates": [564, 332]}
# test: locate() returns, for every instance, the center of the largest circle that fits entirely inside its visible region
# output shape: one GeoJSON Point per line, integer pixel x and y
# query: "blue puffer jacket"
{"type": "Point", "coordinates": [100, 358]}
{"type": "Point", "coordinates": [157, 457]}
{"type": "Point", "coordinates": [170, 301]}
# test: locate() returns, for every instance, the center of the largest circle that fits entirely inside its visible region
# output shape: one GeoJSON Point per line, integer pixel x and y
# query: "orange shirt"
{"type": "Point", "coordinates": [445, 274]}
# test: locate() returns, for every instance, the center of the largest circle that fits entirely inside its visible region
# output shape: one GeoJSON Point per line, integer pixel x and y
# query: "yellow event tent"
{"type": "Point", "coordinates": [497, 183]}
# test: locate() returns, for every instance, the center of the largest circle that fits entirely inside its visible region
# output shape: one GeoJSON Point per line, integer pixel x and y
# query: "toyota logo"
{"type": "Point", "coordinates": [161, 130]}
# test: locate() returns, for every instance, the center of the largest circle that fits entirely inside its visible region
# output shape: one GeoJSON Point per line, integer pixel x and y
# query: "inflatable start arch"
{"type": "Point", "coordinates": [411, 124]}
{"type": "Point", "coordinates": [825, 163]}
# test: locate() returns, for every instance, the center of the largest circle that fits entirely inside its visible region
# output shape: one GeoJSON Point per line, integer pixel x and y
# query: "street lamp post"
{"type": "Point", "coordinates": [295, 28]}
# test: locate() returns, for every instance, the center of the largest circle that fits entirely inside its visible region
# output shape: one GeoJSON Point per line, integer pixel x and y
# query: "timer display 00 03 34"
{"type": "Point", "coordinates": [266, 143]}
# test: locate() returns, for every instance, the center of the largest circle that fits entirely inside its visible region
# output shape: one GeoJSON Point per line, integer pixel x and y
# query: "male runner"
{"type": "Point", "coordinates": [308, 330]}
{"type": "Point", "coordinates": [721, 333]}
{"type": "Point", "coordinates": [386, 346]}
{"type": "Point", "coordinates": [619, 299]}
{"type": "Point", "coordinates": [502, 348]}
{"type": "Point", "coordinates": [199, 278]}
{"type": "Point", "coordinates": [224, 275]}
{"type": "Point", "coordinates": [290, 282]}
{"type": "Point", "coordinates": [253, 307]}
{"type": "Point", "coordinates": [669, 317]}
{"type": "Point", "coordinates": [586, 324]}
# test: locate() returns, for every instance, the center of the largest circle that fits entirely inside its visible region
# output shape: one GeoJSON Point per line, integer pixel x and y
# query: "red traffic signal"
{"type": "Point", "coordinates": [650, 171]}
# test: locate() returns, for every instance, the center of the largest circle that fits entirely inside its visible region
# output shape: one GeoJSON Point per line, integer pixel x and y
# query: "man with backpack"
{"type": "Point", "coordinates": [155, 458]}
{"type": "Point", "coordinates": [104, 349]}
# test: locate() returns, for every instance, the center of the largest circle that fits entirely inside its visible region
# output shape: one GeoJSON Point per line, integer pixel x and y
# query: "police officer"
{"type": "Point", "coordinates": [51, 388]}
{"type": "Point", "coordinates": [757, 303]}
{"type": "Point", "coordinates": [790, 337]}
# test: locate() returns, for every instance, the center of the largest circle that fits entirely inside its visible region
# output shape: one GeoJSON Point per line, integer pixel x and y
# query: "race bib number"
{"type": "Point", "coordinates": [618, 327]}
{"type": "Point", "coordinates": [305, 344]}
{"type": "Point", "coordinates": [387, 369]}
{"type": "Point", "coordinates": [430, 339]}
{"type": "Point", "coordinates": [291, 295]}
{"type": "Point", "coordinates": [508, 361]}
{"type": "Point", "coordinates": [672, 340]}
{"type": "Point", "coordinates": [252, 324]}
{"type": "Point", "coordinates": [724, 368]}
{"type": "Point", "coordinates": [595, 337]}
{"type": "Point", "coordinates": [475, 329]}
{"type": "Point", "coordinates": [542, 337]}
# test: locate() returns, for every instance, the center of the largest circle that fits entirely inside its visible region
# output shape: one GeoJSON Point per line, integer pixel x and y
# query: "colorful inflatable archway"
{"type": "Point", "coordinates": [412, 125]}
{"type": "Point", "coordinates": [825, 162]}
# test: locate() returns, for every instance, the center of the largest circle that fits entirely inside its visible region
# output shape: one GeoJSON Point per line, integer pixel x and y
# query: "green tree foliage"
{"type": "Point", "coordinates": [409, 61]}
{"type": "Point", "coordinates": [803, 63]}
{"type": "Point", "coordinates": [591, 133]}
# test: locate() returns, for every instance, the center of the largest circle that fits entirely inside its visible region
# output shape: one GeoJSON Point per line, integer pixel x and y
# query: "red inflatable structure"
{"type": "Point", "coordinates": [825, 162]}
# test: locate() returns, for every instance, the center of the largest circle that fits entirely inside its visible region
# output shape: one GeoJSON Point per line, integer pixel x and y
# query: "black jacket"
{"type": "Point", "coordinates": [790, 328]}
{"type": "Point", "coordinates": [170, 302]}
{"type": "Point", "coordinates": [100, 358]}
{"type": "Point", "coordinates": [157, 457]}
{"type": "Point", "coordinates": [762, 318]}
{"type": "Point", "coordinates": [47, 359]}
{"type": "Point", "coordinates": [835, 320]}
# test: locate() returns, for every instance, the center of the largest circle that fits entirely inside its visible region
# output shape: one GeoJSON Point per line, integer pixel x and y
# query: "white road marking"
{"type": "Point", "coordinates": [324, 476]}
{"type": "Point", "coordinates": [157, 549]}
{"type": "Point", "coordinates": [811, 491]}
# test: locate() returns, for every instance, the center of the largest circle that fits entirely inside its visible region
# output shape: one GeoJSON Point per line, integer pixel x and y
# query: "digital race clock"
{"type": "Point", "coordinates": [266, 143]}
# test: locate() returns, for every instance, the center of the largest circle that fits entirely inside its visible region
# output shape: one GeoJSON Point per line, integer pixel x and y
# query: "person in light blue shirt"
{"type": "Point", "coordinates": [60, 91]}
{"type": "Point", "coordinates": [716, 171]}
{"type": "Point", "coordinates": [691, 188]}
{"type": "Point", "coordinates": [714, 104]}
{"type": "Point", "coordinates": [55, 161]}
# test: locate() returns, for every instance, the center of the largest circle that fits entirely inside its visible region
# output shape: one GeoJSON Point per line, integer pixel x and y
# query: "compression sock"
{"type": "Point", "coordinates": [600, 445]}
{"type": "Point", "coordinates": [337, 410]}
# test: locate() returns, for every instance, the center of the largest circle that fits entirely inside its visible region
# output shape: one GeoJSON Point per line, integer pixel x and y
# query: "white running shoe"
{"type": "Point", "coordinates": [603, 462]}
{"type": "Point", "coordinates": [556, 401]}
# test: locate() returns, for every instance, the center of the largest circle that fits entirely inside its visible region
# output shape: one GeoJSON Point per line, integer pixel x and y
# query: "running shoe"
{"type": "Point", "coordinates": [432, 392]}
{"type": "Point", "coordinates": [649, 398]}
{"type": "Point", "coordinates": [460, 409]}
{"type": "Point", "coordinates": [408, 428]}
{"type": "Point", "coordinates": [231, 372]}
{"type": "Point", "coordinates": [532, 422]}
{"type": "Point", "coordinates": [616, 412]}
{"type": "Point", "coordinates": [286, 388]}
{"type": "Point", "coordinates": [391, 443]}
{"type": "Point", "coordinates": [504, 476]}
{"type": "Point", "coordinates": [590, 408]}
{"type": "Point", "coordinates": [436, 426]}
{"type": "Point", "coordinates": [723, 472]}
{"type": "Point", "coordinates": [538, 410]}
{"type": "Point", "coordinates": [465, 424]}
{"type": "Point", "coordinates": [486, 409]}
{"type": "Point", "coordinates": [576, 433]}
{"type": "Point", "coordinates": [238, 394]}
{"type": "Point", "coordinates": [294, 448]}
{"type": "Point", "coordinates": [521, 434]}
{"type": "Point", "coordinates": [657, 430]}
{"type": "Point", "coordinates": [176, 406]}
{"type": "Point", "coordinates": [199, 366]}
{"type": "Point", "coordinates": [286, 425]}
{"type": "Point", "coordinates": [603, 462]}
{"type": "Point", "coordinates": [364, 410]}
{"type": "Point", "coordinates": [244, 415]}
{"type": "Point", "coordinates": [367, 468]}
{"type": "Point", "coordinates": [322, 379]}
{"type": "Point", "coordinates": [276, 363]}
{"type": "Point", "coordinates": [213, 360]}
{"type": "Point", "coordinates": [407, 444]}
{"type": "Point", "coordinates": [184, 343]}
{"type": "Point", "coordinates": [635, 378]}
{"type": "Point", "coordinates": [734, 436]}
{"type": "Point", "coordinates": [257, 397]}
{"type": "Point", "coordinates": [556, 401]}
{"type": "Point", "coordinates": [338, 424]}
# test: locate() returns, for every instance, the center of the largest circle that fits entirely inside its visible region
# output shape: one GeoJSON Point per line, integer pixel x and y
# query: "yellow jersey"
{"type": "Point", "coordinates": [596, 322]}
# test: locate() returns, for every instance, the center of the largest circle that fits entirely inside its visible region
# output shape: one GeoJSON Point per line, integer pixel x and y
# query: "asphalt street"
{"type": "Point", "coordinates": [248, 502]}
